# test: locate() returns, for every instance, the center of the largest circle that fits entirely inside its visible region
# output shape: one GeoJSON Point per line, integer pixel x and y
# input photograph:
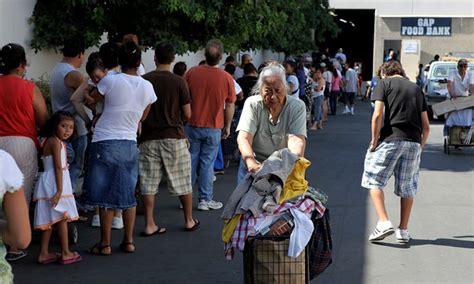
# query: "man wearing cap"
{"type": "Point", "coordinates": [460, 84]}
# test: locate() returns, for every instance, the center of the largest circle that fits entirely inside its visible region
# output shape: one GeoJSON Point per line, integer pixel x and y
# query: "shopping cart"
{"type": "Point", "coordinates": [458, 136]}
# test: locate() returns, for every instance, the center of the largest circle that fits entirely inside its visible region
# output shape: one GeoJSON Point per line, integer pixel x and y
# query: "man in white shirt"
{"type": "Point", "coordinates": [460, 84]}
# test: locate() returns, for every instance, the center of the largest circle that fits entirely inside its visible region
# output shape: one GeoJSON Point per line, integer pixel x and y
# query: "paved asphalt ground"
{"type": "Point", "coordinates": [442, 225]}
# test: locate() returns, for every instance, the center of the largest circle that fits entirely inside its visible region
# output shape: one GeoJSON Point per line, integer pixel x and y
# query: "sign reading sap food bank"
{"type": "Point", "coordinates": [426, 27]}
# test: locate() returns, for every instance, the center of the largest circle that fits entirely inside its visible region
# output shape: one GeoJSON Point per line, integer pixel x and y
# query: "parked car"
{"type": "Point", "coordinates": [436, 87]}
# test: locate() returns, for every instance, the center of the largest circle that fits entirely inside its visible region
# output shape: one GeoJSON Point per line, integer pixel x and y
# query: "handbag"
{"type": "Point", "coordinates": [320, 245]}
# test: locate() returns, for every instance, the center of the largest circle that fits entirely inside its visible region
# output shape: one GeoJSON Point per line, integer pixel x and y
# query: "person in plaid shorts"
{"type": "Point", "coordinates": [163, 142]}
{"type": "Point", "coordinates": [396, 147]}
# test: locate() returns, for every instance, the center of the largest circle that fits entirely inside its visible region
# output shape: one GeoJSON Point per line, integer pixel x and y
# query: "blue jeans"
{"type": "Point", "coordinates": [204, 144]}
{"type": "Point", "coordinates": [219, 162]}
{"type": "Point", "coordinates": [75, 155]}
{"type": "Point", "coordinates": [318, 108]}
{"type": "Point", "coordinates": [333, 101]}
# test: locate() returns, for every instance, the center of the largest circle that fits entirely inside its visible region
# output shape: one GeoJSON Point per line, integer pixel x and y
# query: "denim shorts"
{"type": "Point", "coordinates": [112, 174]}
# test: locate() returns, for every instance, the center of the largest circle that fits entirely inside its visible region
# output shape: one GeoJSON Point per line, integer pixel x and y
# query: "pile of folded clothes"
{"type": "Point", "coordinates": [274, 201]}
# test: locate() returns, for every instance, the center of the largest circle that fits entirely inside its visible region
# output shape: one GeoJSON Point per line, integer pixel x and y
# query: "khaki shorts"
{"type": "Point", "coordinates": [169, 157]}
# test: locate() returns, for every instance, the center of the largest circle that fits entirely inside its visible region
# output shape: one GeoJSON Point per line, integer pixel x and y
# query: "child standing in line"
{"type": "Point", "coordinates": [53, 193]}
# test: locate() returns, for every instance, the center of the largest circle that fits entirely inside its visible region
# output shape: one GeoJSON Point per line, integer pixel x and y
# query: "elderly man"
{"type": "Point", "coordinates": [211, 89]}
{"type": "Point", "coordinates": [395, 148]}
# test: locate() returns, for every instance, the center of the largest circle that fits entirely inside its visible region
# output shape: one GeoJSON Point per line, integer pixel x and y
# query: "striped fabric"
{"type": "Point", "coordinates": [23, 150]}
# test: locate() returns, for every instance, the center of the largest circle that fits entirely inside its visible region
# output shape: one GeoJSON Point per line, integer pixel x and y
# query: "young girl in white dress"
{"type": "Point", "coordinates": [55, 204]}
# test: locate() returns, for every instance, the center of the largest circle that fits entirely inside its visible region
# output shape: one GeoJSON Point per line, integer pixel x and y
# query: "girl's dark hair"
{"type": "Point", "coordinates": [333, 70]}
{"type": "Point", "coordinates": [180, 68]}
{"type": "Point", "coordinates": [129, 55]}
{"type": "Point", "coordinates": [94, 62]}
{"type": "Point", "coordinates": [11, 56]}
{"type": "Point", "coordinates": [49, 130]}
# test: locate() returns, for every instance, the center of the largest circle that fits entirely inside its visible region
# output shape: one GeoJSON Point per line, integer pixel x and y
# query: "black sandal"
{"type": "Point", "coordinates": [98, 249]}
{"type": "Point", "coordinates": [123, 247]}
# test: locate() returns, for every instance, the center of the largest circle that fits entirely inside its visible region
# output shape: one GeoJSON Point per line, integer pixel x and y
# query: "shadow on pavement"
{"type": "Point", "coordinates": [436, 242]}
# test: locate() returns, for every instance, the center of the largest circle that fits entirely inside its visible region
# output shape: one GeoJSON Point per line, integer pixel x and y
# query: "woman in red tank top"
{"type": "Point", "coordinates": [22, 112]}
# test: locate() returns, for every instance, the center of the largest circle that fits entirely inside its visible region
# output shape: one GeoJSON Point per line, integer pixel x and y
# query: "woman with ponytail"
{"type": "Point", "coordinates": [113, 157]}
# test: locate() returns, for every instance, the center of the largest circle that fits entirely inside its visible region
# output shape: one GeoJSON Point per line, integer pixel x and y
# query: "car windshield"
{"type": "Point", "coordinates": [442, 70]}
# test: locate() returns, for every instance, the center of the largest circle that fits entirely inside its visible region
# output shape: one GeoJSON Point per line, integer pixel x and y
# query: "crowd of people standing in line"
{"type": "Point", "coordinates": [124, 129]}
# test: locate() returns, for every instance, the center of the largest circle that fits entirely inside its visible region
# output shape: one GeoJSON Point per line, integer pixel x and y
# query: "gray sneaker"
{"type": "Point", "coordinates": [209, 205]}
{"type": "Point", "coordinates": [402, 236]}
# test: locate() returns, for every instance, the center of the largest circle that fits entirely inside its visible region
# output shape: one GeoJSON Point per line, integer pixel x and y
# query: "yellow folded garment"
{"type": "Point", "coordinates": [229, 228]}
{"type": "Point", "coordinates": [296, 184]}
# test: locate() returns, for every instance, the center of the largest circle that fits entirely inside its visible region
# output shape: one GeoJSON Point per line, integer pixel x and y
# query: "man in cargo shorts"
{"type": "Point", "coordinates": [163, 142]}
{"type": "Point", "coordinates": [396, 147]}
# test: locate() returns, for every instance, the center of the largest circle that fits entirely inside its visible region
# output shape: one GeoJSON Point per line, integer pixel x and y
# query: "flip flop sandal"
{"type": "Point", "coordinates": [77, 257]}
{"type": "Point", "coordinates": [193, 228]}
{"type": "Point", "coordinates": [123, 247]}
{"type": "Point", "coordinates": [98, 249]}
{"type": "Point", "coordinates": [159, 231]}
{"type": "Point", "coordinates": [53, 259]}
{"type": "Point", "coordinates": [15, 255]}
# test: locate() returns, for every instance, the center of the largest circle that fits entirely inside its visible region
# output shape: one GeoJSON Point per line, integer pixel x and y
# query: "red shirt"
{"type": "Point", "coordinates": [17, 116]}
{"type": "Point", "coordinates": [210, 87]}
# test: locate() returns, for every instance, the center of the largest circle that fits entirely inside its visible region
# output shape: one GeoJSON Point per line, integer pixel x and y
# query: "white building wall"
{"type": "Point", "coordinates": [400, 8]}
{"type": "Point", "coordinates": [14, 28]}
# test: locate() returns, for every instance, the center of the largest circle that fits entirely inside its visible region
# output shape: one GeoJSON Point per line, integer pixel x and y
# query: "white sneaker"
{"type": "Point", "coordinates": [95, 221]}
{"type": "Point", "coordinates": [346, 111]}
{"type": "Point", "coordinates": [402, 236]}
{"type": "Point", "coordinates": [117, 223]}
{"type": "Point", "coordinates": [209, 205]}
{"type": "Point", "coordinates": [381, 231]}
{"type": "Point", "coordinates": [352, 111]}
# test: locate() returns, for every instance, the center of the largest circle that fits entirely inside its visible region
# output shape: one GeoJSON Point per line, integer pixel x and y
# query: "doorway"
{"type": "Point", "coordinates": [356, 37]}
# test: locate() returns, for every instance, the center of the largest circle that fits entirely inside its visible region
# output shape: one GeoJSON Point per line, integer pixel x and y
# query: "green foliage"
{"type": "Point", "coordinates": [282, 26]}
{"type": "Point", "coordinates": [43, 84]}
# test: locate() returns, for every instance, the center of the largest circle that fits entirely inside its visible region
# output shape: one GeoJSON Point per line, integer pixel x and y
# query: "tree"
{"type": "Point", "coordinates": [282, 26]}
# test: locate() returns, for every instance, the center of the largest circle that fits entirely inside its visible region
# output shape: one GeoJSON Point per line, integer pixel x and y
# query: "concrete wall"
{"type": "Point", "coordinates": [461, 39]}
{"type": "Point", "coordinates": [14, 27]}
